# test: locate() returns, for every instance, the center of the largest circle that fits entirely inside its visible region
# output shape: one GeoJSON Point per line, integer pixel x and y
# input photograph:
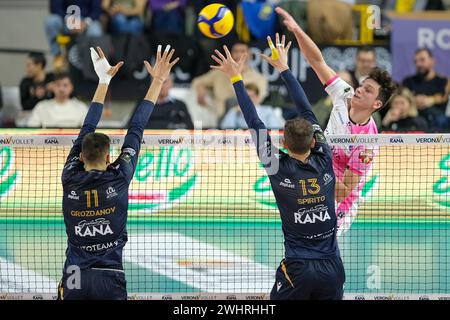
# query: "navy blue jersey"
{"type": "Point", "coordinates": [304, 192]}
{"type": "Point", "coordinates": [95, 203]}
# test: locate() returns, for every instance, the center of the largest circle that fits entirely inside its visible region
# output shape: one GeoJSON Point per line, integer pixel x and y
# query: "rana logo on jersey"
{"type": "Point", "coordinates": [163, 177]}
{"type": "Point", "coordinates": [304, 215]}
{"type": "Point", "coordinates": [93, 228]}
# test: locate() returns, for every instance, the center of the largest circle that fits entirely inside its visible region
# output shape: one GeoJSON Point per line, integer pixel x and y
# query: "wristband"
{"type": "Point", "coordinates": [105, 79]}
{"type": "Point", "coordinates": [236, 79]}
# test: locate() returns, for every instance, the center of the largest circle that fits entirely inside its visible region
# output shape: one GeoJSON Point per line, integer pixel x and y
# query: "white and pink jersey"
{"type": "Point", "coordinates": [357, 159]}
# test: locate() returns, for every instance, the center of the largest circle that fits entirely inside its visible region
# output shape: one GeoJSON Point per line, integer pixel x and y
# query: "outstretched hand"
{"type": "Point", "coordinates": [161, 69]}
{"type": "Point", "coordinates": [102, 67]}
{"type": "Point", "coordinates": [279, 58]}
{"type": "Point", "coordinates": [226, 63]}
{"type": "Point", "coordinates": [288, 20]}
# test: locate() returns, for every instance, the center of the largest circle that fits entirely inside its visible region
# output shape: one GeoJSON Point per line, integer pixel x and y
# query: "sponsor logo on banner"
{"type": "Point", "coordinates": [206, 297]}
{"type": "Point", "coordinates": [167, 297]}
{"type": "Point", "coordinates": [355, 140]}
{"type": "Point", "coordinates": [51, 140]}
{"type": "Point", "coordinates": [431, 140]}
{"type": "Point", "coordinates": [115, 141]}
{"type": "Point", "coordinates": [382, 298]}
{"type": "Point", "coordinates": [231, 297]}
{"type": "Point", "coordinates": [396, 140]}
{"type": "Point", "coordinates": [171, 141]}
{"type": "Point", "coordinates": [196, 297]}
{"type": "Point", "coordinates": [224, 141]}
{"type": "Point", "coordinates": [360, 298]}
{"type": "Point", "coordinates": [424, 298]}
{"type": "Point", "coordinates": [257, 297]}
{"type": "Point", "coordinates": [16, 141]}
{"type": "Point", "coordinates": [171, 168]}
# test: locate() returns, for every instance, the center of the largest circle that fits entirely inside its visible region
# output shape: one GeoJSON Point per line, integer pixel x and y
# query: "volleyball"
{"type": "Point", "coordinates": [215, 20]}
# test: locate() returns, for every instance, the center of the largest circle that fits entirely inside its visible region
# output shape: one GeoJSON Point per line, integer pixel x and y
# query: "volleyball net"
{"type": "Point", "coordinates": [203, 222]}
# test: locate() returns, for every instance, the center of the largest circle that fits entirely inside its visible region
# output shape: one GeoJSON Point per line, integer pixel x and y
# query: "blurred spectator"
{"type": "Point", "coordinates": [169, 113]}
{"type": "Point", "coordinates": [366, 60]}
{"type": "Point", "coordinates": [402, 115]}
{"type": "Point", "coordinates": [214, 88]}
{"type": "Point", "coordinates": [65, 20]}
{"type": "Point", "coordinates": [429, 90]}
{"type": "Point", "coordinates": [126, 16]}
{"type": "Point", "coordinates": [272, 118]}
{"type": "Point", "coordinates": [62, 111]}
{"type": "Point", "coordinates": [329, 20]}
{"type": "Point", "coordinates": [168, 16]}
{"type": "Point", "coordinates": [37, 85]}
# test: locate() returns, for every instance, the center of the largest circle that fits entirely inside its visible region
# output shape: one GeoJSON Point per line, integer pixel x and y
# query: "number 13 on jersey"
{"type": "Point", "coordinates": [309, 186]}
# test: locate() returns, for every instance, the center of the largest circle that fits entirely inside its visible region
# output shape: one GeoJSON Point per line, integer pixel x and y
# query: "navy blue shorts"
{"type": "Point", "coordinates": [309, 280]}
{"type": "Point", "coordinates": [95, 284]}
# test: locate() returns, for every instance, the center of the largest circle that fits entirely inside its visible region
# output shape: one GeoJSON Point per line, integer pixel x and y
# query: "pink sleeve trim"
{"type": "Point", "coordinates": [331, 80]}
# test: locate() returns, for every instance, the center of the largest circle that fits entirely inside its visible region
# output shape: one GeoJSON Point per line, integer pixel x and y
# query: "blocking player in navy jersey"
{"type": "Point", "coordinates": [303, 183]}
{"type": "Point", "coordinates": [95, 200]}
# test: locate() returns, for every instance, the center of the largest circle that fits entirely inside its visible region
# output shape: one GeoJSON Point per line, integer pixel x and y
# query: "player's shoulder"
{"type": "Point", "coordinates": [336, 86]}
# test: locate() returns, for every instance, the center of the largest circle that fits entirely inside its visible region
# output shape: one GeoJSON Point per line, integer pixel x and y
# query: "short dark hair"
{"type": "Point", "coordinates": [38, 58]}
{"type": "Point", "coordinates": [61, 76]}
{"type": "Point", "coordinates": [430, 53]}
{"type": "Point", "coordinates": [365, 48]}
{"type": "Point", "coordinates": [95, 146]}
{"type": "Point", "coordinates": [387, 85]}
{"type": "Point", "coordinates": [298, 134]}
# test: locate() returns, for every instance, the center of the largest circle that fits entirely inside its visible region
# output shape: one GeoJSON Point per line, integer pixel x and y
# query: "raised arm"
{"type": "Point", "coordinates": [132, 144]}
{"type": "Point", "coordinates": [279, 60]}
{"type": "Point", "coordinates": [309, 49]}
{"type": "Point", "coordinates": [233, 69]}
{"type": "Point", "coordinates": [261, 137]}
{"type": "Point", "coordinates": [105, 73]}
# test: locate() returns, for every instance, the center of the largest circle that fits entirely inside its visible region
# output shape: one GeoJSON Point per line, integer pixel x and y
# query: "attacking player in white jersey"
{"type": "Point", "coordinates": [351, 114]}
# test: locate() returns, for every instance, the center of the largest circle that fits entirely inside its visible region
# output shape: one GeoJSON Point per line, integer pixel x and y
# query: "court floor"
{"type": "Point", "coordinates": [230, 255]}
